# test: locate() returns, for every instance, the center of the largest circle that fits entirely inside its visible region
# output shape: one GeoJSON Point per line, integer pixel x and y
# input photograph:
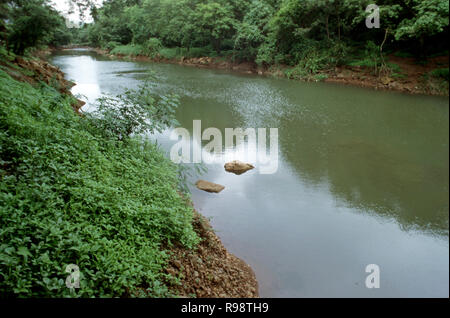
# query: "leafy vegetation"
{"type": "Point", "coordinates": [441, 73]}
{"type": "Point", "coordinates": [267, 32]}
{"type": "Point", "coordinates": [128, 50]}
{"type": "Point", "coordinates": [303, 34]}
{"type": "Point", "coordinates": [73, 192]}
{"type": "Point", "coordinates": [30, 23]}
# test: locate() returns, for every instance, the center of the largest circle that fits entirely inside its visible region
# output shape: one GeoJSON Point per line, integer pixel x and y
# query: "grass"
{"type": "Point", "coordinates": [71, 196]}
{"type": "Point", "coordinates": [436, 81]}
{"type": "Point", "coordinates": [395, 69]}
{"type": "Point", "coordinates": [170, 53]}
{"type": "Point", "coordinates": [440, 73]}
{"type": "Point", "coordinates": [129, 50]}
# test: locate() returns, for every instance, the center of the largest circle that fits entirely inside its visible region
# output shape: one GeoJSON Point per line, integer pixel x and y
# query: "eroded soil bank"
{"type": "Point", "coordinates": [33, 71]}
{"type": "Point", "coordinates": [211, 271]}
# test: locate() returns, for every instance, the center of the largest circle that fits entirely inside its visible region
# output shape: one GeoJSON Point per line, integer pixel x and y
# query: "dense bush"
{"type": "Point", "coordinates": [111, 45]}
{"type": "Point", "coordinates": [69, 195]}
{"type": "Point", "coordinates": [311, 59]}
{"type": "Point", "coordinates": [129, 50]}
{"type": "Point", "coordinates": [133, 112]}
{"type": "Point", "coordinates": [271, 31]}
{"type": "Point", "coordinates": [32, 23]}
{"type": "Point", "coordinates": [152, 47]}
{"type": "Point", "coordinates": [440, 73]}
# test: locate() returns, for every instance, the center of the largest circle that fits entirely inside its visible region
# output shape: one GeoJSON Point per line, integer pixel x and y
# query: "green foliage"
{"type": "Point", "coordinates": [430, 17]}
{"type": "Point", "coordinates": [440, 73]}
{"type": "Point", "coordinates": [72, 195]}
{"type": "Point", "coordinates": [197, 52]}
{"type": "Point", "coordinates": [269, 31]}
{"type": "Point", "coordinates": [35, 22]}
{"type": "Point", "coordinates": [313, 59]}
{"type": "Point", "coordinates": [374, 59]}
{"type": "Point", "coordinates": [6, 55]}
{"type": "Point", "coordinates": [179, 52]}
{"type": "Point", "coordinates": [320, 77]}
{"type": "Point", "coordinates": [266, 54]}
{"type": "Point", "coordinates": [217, 19]}
{"type": "Point", "coordinates": [111, 45]}
{"type": "Point", "coordinates": [129, 50]}
{"type": "Point", "coordinates": [253, 32]}
{"type": "Point", "coordinates": [265, 31]}
{"type": "Point", "coordinates": [170, 53]}
{"type": "Point", "coordinates": [135, 112]}
{"type": "Point", "coordinates": [436, 81]}
{"type": "Point", "coordinates": [152, 47]}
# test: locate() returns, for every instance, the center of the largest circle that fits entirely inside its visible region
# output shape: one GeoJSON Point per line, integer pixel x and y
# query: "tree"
{"type": "Point", "coordinates": [253, 30]}
{"type": "Point", "coordinates": [430, 17]}
{"type": "Point", "coordinates": [32, 22]}
{"type": "Point", "coordinates": [217, 20]}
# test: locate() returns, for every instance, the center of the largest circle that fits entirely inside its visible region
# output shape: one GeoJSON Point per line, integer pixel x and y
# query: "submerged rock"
{"type": "Point", "coordinates": [238, 167]}
{"type": "Point", "coordinates": [209, 186]}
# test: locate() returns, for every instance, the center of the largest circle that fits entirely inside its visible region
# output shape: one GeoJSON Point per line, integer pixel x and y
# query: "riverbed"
{"type": "Point", "coordinates": [362, 176]}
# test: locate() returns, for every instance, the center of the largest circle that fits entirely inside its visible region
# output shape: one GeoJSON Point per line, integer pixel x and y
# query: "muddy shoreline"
{"type": "Point", "coordinates": [210, 271]}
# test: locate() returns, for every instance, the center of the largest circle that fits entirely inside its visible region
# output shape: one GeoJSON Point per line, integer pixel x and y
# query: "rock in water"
{"type": "Point", "coordinates": [238, 167]}
{"type": "Point", "coordinates": [209, 186]}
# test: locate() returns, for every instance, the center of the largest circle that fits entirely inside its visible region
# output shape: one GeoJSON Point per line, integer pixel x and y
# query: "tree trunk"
{"type": "Point", "coordinates": [327, 27]}
{"type": "Point", "coordinates": [339, 27]}
{"type": "Point", "coordinates": [383, 63]}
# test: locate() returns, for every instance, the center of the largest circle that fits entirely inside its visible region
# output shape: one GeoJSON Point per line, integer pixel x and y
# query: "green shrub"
{"type": "Point", "coordinates": [195, 52]}
{"type": "Point", "coordinates": [134, 112]}
{"type": "Point", "coordinates": [320, 77]}
{"type": "Point", "coordinates": [170, 53]}
{"type": "Point", "coordinates": [70, 195]}
{"type": "Point", "coordinates": [111, 45]}
{"type": "Point", "coordinates": [152, 47]}
{"type": "Point", "coordinates": [6, 55]}
{"type": "Point", "coordinates": [312, 58]}
{"type": "Point", "coordinates": [129, 50]}
{"type": "Point", "coordinates": [363, 63]}
{"type": "Point", "coordinates": [266, 54]}
{"type": "Point", "coordinates": [440, 73]}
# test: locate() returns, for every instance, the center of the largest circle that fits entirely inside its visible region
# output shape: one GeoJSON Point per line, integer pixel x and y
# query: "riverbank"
{"type": "Point", "coordinates": [92, 205]}
{"type": "Point", "coordinates": [408, 75]}
{"type": "Point", "coordinates": [210, 271]}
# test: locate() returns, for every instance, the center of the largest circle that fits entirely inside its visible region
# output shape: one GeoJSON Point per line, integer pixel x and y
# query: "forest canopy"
{"type": "Point", "coordinates": [264, 31]}
{"type": "Point", "coordinates": [267, 31]}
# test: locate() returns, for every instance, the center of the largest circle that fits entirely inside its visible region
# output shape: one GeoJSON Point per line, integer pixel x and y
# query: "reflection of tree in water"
{"type": "Point", "coordinates": [376, 160]}
{"type": "Point", "coordinates": [373, 174]}
{"type": "Point", "coordinates": [373, 156]}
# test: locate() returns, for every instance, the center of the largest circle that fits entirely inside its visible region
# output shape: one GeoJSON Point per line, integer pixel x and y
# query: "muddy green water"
{"type": "Point", "coordinates": [363, 177]}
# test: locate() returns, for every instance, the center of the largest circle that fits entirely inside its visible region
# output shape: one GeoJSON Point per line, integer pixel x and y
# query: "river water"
{"type": "Point", "coordinates": [362, 178]}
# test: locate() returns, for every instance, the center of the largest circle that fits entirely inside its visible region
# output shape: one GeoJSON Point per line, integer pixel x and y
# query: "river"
{"type": "Point", "coordinates": [362, 178]}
